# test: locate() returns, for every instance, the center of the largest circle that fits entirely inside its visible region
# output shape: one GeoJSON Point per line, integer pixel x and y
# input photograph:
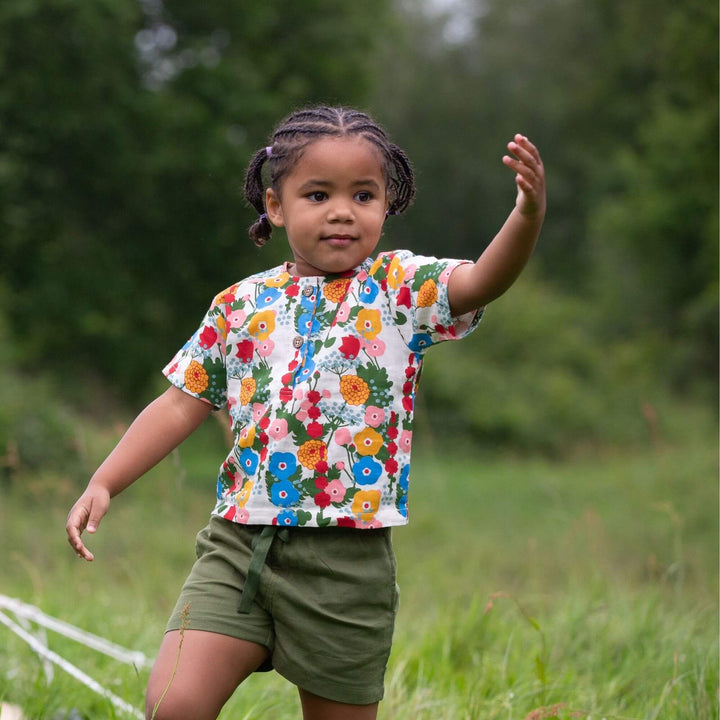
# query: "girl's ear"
{"type": "Point", "coordinates": [273, 208]}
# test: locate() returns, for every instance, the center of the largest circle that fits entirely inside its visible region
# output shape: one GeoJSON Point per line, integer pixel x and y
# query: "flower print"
{"type": "Point", "coordinates": [287, 518]}
{"type": "Point", "coordinates": [284, 493]}
{"type": "Point", "coordinates": [262, 324]}
{"type": "Point", "coordinates": [395, 273]}
{"type": "Point", "coordinates": [268, 297]}
{"type": "Point", "coordinates": [321, 466]}
{"type": "Point", "coordinates": [336, 490]}
{"type": "Point", "coordinates": [236, 318]}
{"type": "Point", "coordinates": [245, 350]}
{"type": "Point", "coordinates": [405, 440]}
{"type": "Point", "coordinates": [343, 313]}
{"type": "Point", "coordinates": [350, 347]}
{"type": "Point", "coordinates": [354, 389]}
{"type": "Point", "coordinates": [310, 453]}
{"type": "Point", "coordinates": [369, 291]}
{"type": "Point", "coordinates": [392, 449]}
{"type": "Point", "coordinates": [208, 337]}
{"type": "Point", "coordinates": [258, 410]}
{"type": "Point", "coordinates": [368, 442]}
{"type": "Point", "coordinates": [428, 294]}
{"type": "Point", "coordinates": [374, 416]}
{"type": "Point", "coordinates": [292, 290]}
{"type": "Point", "coordinates": [404, 481]}
{"type": "Point", "coordinates": [335, 291]}
{"type": "Point", "coordinates": [249, 461]}
{"type": "Point", "coordinates": [368, 323]}
{"type": "Point", "coordinates": [242, 516]}
{"type": "Point", "coordinates": [375, 348]}
{"type": "Point", "coordinates": [278, 429]}
{"type": "Point", "coordinates": [322, 499]}
{"type": "Point", "coordinates": [346, 522]}
{"type": "Point", "coordinates": [419, 341]}
{"type": "Point", "coordinates": [407, 403]}
{"type": "Point", "coordinates": [366, 503]}
{"type": "Point", "coordinates": [376, 265]}
{"type": "Point", "coordinates": [340, 465]}
{"type": "Point", "coordinates": [392, 432]}
{"type": "Point", "coordinates": [247, 390]}
{"type": "Point", "coordinates": [314, 412]}
{"type": "Point", "coordinates": [404, 297]}
{"type": "Point", "coordinates": [367, 471]}
{"type": "Point", "coordinates": [308, 369]}
{"type": "Point", "coordinates": [315, 430]}
{"type": "Point", "coordinates": [230, 513]}
{"type": "Point", "coordinates": [265, 348]}
{"type": "Point", "coordinates": [444, 276]}
{"type": "Point", "coordinates": [391, 466]}
{"type": "Point", "coordinates": [247, 436]}
{"type": "Point", "coordinates": [196, 378]}
{"type": "Point", "coordinates": [278, 280]}
{"type": "Point", "coordinates": [402, 505]}
{"type": "Point", "coordinates": [244, 495]}
{"type": "Point", "coordinates": [342, 436]}
{"type": "Point", "coordinates": [282, 465]}
{"type": "Point", "coordinates": [307, 324]}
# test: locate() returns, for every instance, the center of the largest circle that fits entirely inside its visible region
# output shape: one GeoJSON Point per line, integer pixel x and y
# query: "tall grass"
{"type": "Point", "coordinates": [530, 588]}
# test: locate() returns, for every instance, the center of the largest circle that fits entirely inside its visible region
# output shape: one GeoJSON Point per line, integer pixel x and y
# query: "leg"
{"type": "Point", "coordinates": [210, 668]}
{"type": "Point", "coordinates": [317, 708]}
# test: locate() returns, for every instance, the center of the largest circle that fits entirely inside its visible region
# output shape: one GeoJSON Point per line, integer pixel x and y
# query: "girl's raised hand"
{"type": "Point", "coordinates": [529, 178]}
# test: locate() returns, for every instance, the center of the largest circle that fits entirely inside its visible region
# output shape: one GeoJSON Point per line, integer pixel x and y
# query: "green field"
{"type": "Point", "coordinates": [590, 584]}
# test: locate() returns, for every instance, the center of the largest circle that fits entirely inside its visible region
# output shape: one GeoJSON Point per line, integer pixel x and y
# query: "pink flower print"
{"type": "Point", "coordinates": [405, 440]}
{"type": "Point", "coordinates": [278, 429]}
{"type": "Point", "coordinates": [236, 318]}
{"type": "Point", "coordinates": [343, 313]}
{"type": "Point", "coordinates": [374, 416]}
{"type": "Point", "coordinates": [298, 394]}
{"type": "Point", "coordinates": [343, 437]}
{"type": "Point", "coordinates": [362, 276]}
{"type": "Point", "coordinates": [242, 516]}
{"type": "Point", "coordinates": [336, 491]}
{"type": "Point", "coordinates": [265, 348]}
{"type": "Point", "coordinates": [375, 347]}
{"type": "Point", "coordinates": [445, 275]}
{"type": "Point", "coordinates": [326, 394]}
{"type": "Point", "coordinates": [258, 410]}
{"type": "Point", "coordinates": [301, 415]}
{"type": "Point", "coordinates": [410, 272]}
{"type": "Point", "coordinates": [340, 465]}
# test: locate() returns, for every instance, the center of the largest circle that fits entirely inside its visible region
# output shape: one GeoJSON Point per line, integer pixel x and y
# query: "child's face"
{"type": "Point", "coordinates": [332, 205]}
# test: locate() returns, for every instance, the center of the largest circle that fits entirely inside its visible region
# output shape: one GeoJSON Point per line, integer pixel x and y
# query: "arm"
{"type": "Point", "coordinates": [473, 286]}
{"type": "Point", "coordinates": [158, 430]}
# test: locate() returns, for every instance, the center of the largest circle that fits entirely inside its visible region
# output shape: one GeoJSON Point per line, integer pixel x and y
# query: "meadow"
{"type": "Point", "coordinates": [581, 587]}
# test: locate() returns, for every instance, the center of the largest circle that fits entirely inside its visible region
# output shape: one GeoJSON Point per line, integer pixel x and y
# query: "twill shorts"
{"type": "Point", "coordinates": [324, 605]}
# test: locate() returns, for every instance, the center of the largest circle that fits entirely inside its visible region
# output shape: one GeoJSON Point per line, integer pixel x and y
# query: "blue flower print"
{"type": "Point", "coordinates": [282, 465]}
{"type": "Point", "coordinates": [249, 461]}
{"type": "Point", "coordinates": [287, 518]}
{"type": "Point", "coordinates": [307, 370]}
{"type": "Point", "coordinates": [369, 291]}
{"type": "Point", "coordinates": [404, 480]}
{"type": "Point", "coordinates": [367, 471]}
{"type": "Point", "coordinates": [402, 505]}
{"type": "Point", "coordinates": [267, 298]}
{"type": "Point", "coordinates": [419, 341]}
{"type": "Point", "coordinates": [308, 302]}
{"type": "Point", "coordinates": [284, 493]}
{"type": "Point", "coordinates": [307, 324]}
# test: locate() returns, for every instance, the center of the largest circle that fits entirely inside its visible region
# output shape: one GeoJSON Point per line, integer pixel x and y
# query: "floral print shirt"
{"type": "Point", "coordinates": [319, 376]}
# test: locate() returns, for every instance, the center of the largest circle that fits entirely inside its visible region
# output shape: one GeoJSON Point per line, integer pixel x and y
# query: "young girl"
{"type": "Point", "coordinates": [318, 361]}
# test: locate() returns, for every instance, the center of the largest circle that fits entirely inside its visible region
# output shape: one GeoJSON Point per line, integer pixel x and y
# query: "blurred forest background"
{"type": "Point", "coordinates": [126, 126]}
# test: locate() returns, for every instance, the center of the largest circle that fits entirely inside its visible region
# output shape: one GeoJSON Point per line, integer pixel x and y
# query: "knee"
{"type": "Point", "coordinates": [177, 704]}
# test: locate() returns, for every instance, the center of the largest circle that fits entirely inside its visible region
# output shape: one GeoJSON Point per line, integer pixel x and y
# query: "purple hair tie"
{"type": "Point", "coordinates": [268, 150]}
{"type": "Point", "coordinates": [263, 217]}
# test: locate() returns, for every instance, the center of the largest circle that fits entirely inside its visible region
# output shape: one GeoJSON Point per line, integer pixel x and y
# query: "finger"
{"type": "Point", "coordinates": [528, 146]}
{"type": "Point", "coordinates": [522, 169]}
{"type": "Point", "coordinates": [76, 523]}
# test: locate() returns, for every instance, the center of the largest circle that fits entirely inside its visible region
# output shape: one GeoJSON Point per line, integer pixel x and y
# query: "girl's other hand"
{"type": "Point", "coordinates": [529, 178]}
{"type": "Point", "coordinates": [86, 514]}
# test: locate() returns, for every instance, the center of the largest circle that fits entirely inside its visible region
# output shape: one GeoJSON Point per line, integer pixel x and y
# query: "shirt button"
{"type": "Point", "coordinates": [308, 290]}
{"type": "Point", "coordinates": [297, 342]}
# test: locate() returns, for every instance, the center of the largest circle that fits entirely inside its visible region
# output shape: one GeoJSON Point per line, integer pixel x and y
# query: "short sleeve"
{"type": "Point", "coordinates": [417, 289]}
{"type": "Point", "coordinates": [199, 367]}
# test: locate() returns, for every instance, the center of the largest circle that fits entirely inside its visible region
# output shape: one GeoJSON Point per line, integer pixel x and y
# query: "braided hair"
{"type": "Point", "coordinates": [303, 127]}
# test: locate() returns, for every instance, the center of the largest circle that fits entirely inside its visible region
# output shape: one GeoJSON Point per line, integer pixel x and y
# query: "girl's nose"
{"type": "Point", "coordinates": [340, 211]}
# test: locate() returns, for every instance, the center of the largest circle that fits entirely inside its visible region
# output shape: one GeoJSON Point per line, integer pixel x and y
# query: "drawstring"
{"type": "Point", "coordinates": [260, 546]}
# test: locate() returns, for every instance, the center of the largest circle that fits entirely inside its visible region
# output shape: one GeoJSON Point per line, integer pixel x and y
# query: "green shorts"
{"type": "Point", "coordinates": [324, 607]}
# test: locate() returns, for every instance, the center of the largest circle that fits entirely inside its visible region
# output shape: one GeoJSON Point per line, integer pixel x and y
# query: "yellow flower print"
{"type": "Point", "coordinates": [427, 295]}
{"type": "Point", "coordinates": [365, 504]}
{"type": "Point", "coordinates": [196, 379]}
{"type": "Point", "coordinates": [244, 495]}
{"type": "Point", "coordinates": [247, 435]}
{"type": "Point", "coordinates": [375, 266]}
{"type": "Point", "coordinates": [278, 280]}
{"type": "Point", "coordinates": [311, 453]}
{"type": "Point", "coordinates": [368, 323]}
{"type": "Point", "coordinates": [335, 290]}
{"type": "Point", "coordinates": [354, 389]}
{"type": "Point", "coordinates": [368, 442]}
{"type": "Point", "coordinates": [262, 324]}
{"type": "Point", "coordinates": [221, 326]}
{"type": "Point", "coordinates": [396, 274]}
{"type": "Point", "coordinates": [247, 390]}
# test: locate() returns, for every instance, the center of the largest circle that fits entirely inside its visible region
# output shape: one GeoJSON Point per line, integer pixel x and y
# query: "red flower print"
{"type": "Point", "coordinates": [292, 291]}
{"type": "Point", "coordinates": [321, 482]}
{"type": "Point", "coordinates": [313, 412]}
{"type": "Point", "coordinates": [245, 350]}
{"type": "Point", "coordinates": [322, 499]}
{"type": "Point", "coordinates": [264, 423]}
{"type": "Point", "coordinates": [314, 397]}
{"type": "Point", "coordinates": [321, 466]}
{"type": "Point", "coordinates": [392, 449]}
{"type": "Point", "coordinates": [391, 466]}
{"type": "Point", "coordinates": [285, 394]}
{"type": "Point", "coordinates": [346, 522]}
{"type": "Point", "coordinates": [403, 296]}
{"type": "Point", "coordinates": [263, 437]}
{"type": "Point", "coordinates": [392, 432]}
{"type": "Point", "coordinates": [407, 403]}
{"type": "Point", "coordinates": [350, 347]}
{"type": "Point", "coordinates": [208, 337]}
{"type": "Point", "coordinates": [230, 514]}
{"type": "Point", "coordinates": [407, 388]}
{"type": "Point", "coordinates": [315, 430]}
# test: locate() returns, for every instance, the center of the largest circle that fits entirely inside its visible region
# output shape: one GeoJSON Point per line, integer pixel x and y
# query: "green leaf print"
{"type": "Point", "coordinates": [377, 380]}
{"type": "Point", "coordinates": [427, 272]}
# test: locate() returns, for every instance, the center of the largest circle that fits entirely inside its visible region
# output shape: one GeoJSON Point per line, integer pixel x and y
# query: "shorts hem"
{"type": "Point", "coordinates": [332, 691]}
{"type": "Point", "coordinates": [220, 628]}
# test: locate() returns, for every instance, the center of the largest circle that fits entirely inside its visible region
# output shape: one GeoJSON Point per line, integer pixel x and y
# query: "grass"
{"type": "Point", "coordinates": [530, 588]}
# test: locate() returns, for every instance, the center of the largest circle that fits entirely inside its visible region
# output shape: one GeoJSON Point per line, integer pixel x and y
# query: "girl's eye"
{"type": "Point", "coordinates": [364, 196]}
{"type": "Point", "coordinates": [317, 196]}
